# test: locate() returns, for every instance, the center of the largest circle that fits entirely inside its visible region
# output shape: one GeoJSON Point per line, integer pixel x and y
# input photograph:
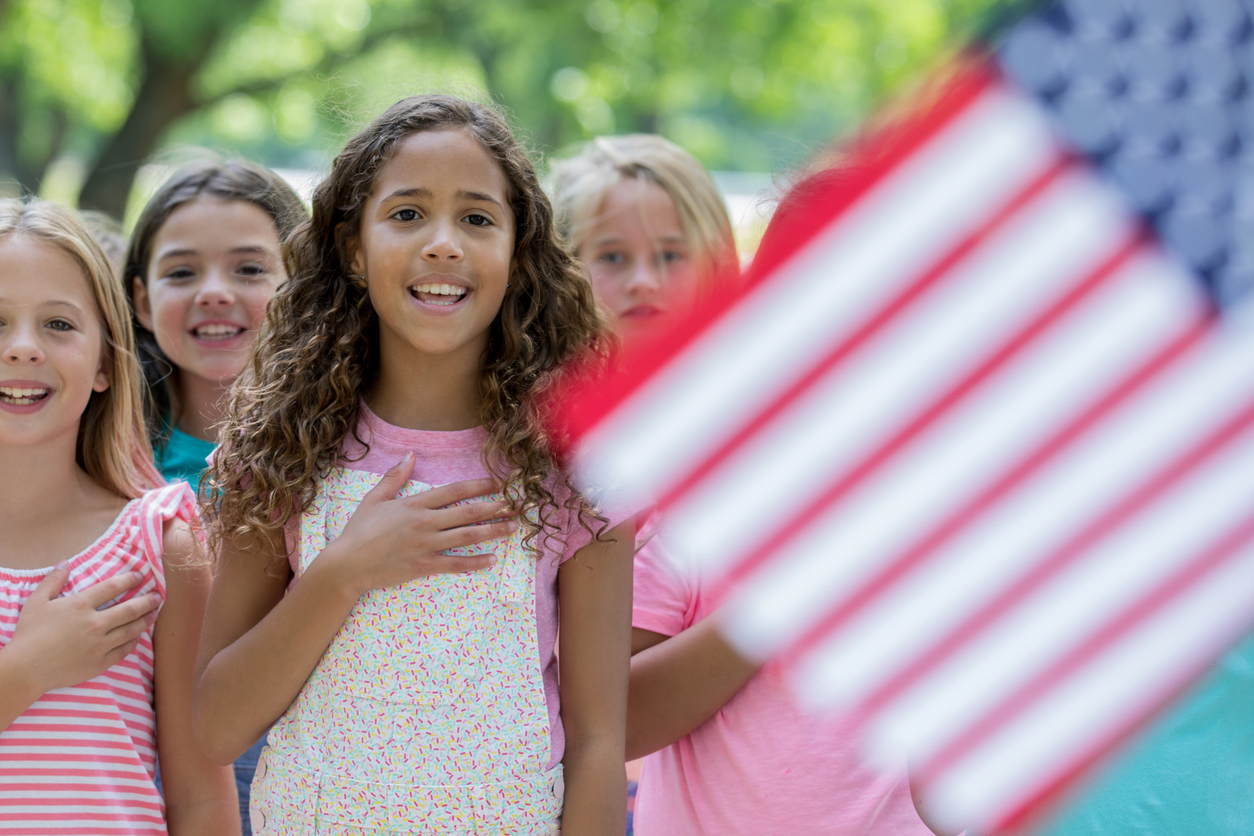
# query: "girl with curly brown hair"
{"type": "Point", "coordinates": [395, 543]}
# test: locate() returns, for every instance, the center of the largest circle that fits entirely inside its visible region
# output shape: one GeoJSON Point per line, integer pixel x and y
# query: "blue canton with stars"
{"type": "Point", "coordinates": [1160, 95]}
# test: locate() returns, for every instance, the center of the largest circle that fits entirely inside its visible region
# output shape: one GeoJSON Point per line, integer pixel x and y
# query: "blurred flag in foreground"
{"type": "Point", "coordinates": [977, 455]}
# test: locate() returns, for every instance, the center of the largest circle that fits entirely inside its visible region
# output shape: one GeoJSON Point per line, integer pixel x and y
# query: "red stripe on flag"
{"type": "Point", "coordinates": [923, 547]}
{"type": "Point", "coordinates": [1074, 548]}
{"type": "Point", "coordinates": [795, 526]}
{"type": "Point", "coordinates": [1212, 557]}
{"type": "Point", "coordinates": [1031, 810]}
{"type": "Point", "coordinates": [873, 324]}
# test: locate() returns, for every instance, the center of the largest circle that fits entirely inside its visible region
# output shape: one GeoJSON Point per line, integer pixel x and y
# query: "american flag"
{"type": "Point", "coordinates": [977, 455]}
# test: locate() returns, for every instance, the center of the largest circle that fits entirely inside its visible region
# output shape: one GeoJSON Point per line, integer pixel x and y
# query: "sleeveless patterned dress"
{"type": "Point", "coordinates": [426, 714]}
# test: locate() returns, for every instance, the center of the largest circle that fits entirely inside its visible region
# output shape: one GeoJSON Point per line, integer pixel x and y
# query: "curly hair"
{"type": "Point", "coordinates": [297, 401]}
{"type": "Point", "coordinates": [224, 180]}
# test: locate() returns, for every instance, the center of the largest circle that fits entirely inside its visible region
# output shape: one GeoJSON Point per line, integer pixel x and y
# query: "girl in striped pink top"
{"type": "Point", "coordinates": [100, 595]}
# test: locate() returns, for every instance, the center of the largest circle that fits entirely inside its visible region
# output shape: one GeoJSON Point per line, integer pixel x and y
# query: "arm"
{"type": "Point", "coordinates": [678, 683]}
{"type": "Point", "coordinates": [200, 796]}
{"type": "Point", "coordinates": [594, 599]}
{"type": "Point", "coordinates": [259, 645]}
{"type": "Point", "coordinates": [59, 642]}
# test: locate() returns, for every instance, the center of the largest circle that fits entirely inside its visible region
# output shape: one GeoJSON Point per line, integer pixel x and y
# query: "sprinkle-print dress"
{"type": "Point", "coordinates": [426, 714]}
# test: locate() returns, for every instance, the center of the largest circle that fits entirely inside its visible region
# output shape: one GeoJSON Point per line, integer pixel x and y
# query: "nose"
{"type": "Point", "coordinates": [22, 346]}
{"type": "Point", "coordinates": [443, 243]}
{"type": "Point", "coordinates": [215, 291]}
{"type": "Point", "coordinates": [645, 279]}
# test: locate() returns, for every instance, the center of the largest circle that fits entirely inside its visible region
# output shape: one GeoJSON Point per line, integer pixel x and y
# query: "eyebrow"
{"type": "Point", "coordinates": [486, 198]}
{"type": "Point", "coordinates": [247, 248]}
{"type": "Point", "coordinates": [55, 303]}
{"type": "Point", "coordinates": [464, 194]}
{"type": "Point", "coordinates": [614, 238]}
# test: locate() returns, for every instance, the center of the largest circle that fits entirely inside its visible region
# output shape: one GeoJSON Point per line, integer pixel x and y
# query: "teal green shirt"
{"type": "Point", "coordinates": [1191, 772]}
{"type": "Point", "coordinates": [183, 457]}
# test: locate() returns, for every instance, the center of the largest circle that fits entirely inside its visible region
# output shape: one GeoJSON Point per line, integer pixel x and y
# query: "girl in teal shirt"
{"type": "Point", "coordinates": [204, 259]}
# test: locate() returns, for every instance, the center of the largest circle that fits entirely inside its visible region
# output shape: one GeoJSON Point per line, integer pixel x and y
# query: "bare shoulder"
{"type": "Point", "coordinates": [181, 549]}
{"type": "Point", "coordinates": [611, 542]}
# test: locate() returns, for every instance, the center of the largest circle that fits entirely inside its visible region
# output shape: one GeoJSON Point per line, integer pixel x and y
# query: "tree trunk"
{"type": "Point", "coordinates": [30, 172]}
{"type": "Point", "coordinates": [163, 97]}
{"type": "Point", "coordinates": [10, 124]}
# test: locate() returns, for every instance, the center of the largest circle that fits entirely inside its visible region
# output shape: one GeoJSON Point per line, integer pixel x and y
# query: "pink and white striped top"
{"type": "Point", "coordinates": [82, 760]}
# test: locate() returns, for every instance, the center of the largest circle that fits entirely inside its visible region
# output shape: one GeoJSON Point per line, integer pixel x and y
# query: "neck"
{"type": "Point", "coordinates": [40, 479]}
{"type": "Point", "coordinates": [202, 406]}
{"type": "Point", "coordinates": [427, 392]}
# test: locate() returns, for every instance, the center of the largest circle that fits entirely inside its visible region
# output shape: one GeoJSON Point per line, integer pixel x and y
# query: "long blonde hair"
{"type": "Point", "coordinates": [112, 443]}
{"type": "Point", "coordinates": [580, 184]}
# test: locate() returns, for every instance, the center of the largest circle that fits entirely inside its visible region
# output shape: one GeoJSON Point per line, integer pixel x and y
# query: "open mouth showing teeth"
{"type": "Point", "coordinates": [438, 294]}
{"type": "Point", "coordinates": [22, 397]}
{"type": "Point", "coordinates": [217, 332]}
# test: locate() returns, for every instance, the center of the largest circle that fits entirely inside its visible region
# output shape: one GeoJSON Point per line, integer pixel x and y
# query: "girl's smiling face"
{"type": "Point", "coordinates": [52, 353]}
{"type": "Point", "coordinates": [215, 264]}
{"type": "Point", "coordinates": [436, 242]}
{"type": "Point", "coordinates": [638, 258]}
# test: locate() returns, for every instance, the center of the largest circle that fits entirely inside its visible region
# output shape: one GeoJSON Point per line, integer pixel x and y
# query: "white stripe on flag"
{"type": "Point", "coordinates": [1072, 606]}
{"type": "Point", "coordinates": [1079, 717]}
{"type": "Point", "coordinates": [1043, 253]}
{"type": "Point", "coordinates": [987, 154]}
{"type": "Point", "coordinates": [961, 456]}
{"type": "Point", "coordinates": [1116, 457]}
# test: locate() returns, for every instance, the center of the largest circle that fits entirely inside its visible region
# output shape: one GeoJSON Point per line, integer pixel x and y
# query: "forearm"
{"type": "Point", "coordinates": [596, 788]}
{"type": "Point", "coordinates": [211, 816]}
{"type": "Point", "coordinates": [594, 590]}
{"type": "Point", "coordinates": [680, 683]}
{"type": "Point", "coordinates": [247, 685]}
{"type": "Point", "coordinates": [18, 686]}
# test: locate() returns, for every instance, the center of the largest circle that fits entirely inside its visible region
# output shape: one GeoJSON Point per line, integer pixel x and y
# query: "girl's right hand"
{"type": "Point", "coordinates": [64, 641]}
{"type": "Point", "coordinates": [390, 541]}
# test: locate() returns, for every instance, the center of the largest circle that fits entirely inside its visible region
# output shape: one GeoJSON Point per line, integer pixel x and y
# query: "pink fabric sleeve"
{"type": "Point", "coordinates": [157, 507]}
{"type": "Point", "coordinates": [663, 598]}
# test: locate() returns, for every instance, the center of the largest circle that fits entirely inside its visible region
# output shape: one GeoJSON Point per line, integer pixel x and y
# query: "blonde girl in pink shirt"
{"type": "Point", "coordinates": [395, 544]}
{"type": "Point", "coordinates": [101, 592]}
{"type": "Point", "coordinates": [726, 748]}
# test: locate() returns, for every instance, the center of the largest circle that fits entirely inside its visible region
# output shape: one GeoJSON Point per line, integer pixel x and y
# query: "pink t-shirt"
{"type": "Point", "coordinates": [444, 457]}
{"type": "Point", "coordinates": [760, 765]}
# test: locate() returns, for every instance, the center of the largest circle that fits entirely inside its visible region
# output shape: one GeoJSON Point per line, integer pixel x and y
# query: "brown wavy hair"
{"type": "Point", "coordinates": [299, 398]}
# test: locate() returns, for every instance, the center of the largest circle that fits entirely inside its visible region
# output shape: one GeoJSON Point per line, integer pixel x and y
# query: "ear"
{"type": "Point", "coordinates": [101, 382]}
{"type": "Point", "coordinates": [352, 248]}
{"type": "Point", "coordinates": [143, 305]}
{"type": "Point", "coordinates": [356, 260]}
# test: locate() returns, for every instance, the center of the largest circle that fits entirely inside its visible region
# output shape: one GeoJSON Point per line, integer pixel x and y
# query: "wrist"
{"type": "Point", "coordinates": [19, 675]}
{"type": "Point", "coordinates": [329, 576]}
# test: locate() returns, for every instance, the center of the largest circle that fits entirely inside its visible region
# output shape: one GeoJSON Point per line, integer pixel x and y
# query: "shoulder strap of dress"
{"type": "Point", "coordinates": [157, 507]}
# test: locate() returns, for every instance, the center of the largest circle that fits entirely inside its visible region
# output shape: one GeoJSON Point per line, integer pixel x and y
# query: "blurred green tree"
{"type": "Point", "coordinates": [744, 84]}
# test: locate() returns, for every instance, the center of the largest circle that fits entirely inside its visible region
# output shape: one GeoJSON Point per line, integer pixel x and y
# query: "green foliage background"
{"type": "Point", "coordinates": [90, 89]}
